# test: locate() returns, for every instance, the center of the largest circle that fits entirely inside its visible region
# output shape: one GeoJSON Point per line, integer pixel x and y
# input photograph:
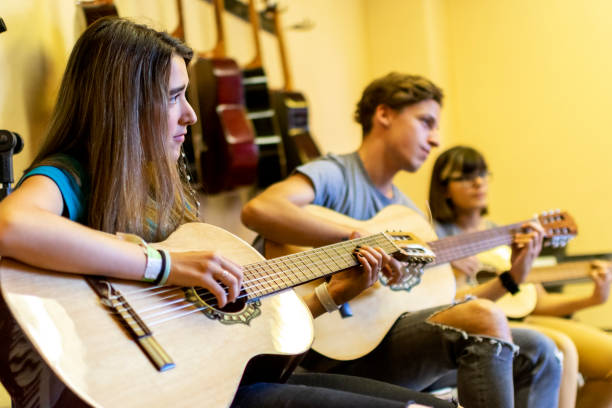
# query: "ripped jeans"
{"type": "Point", "coordinates": [489, 372]}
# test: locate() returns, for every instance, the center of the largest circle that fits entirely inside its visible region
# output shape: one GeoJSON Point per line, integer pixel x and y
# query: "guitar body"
{"type": "Point", "coordinates": [521, 303]}
{"type": "Point", "coordinates": [377, 308]}
{"type": "Point", "coordinates": [514, 306]}
{"type": "Point", "coordinates": [272, 165]}
{"type": "Point", "coordinates": [226, 150]}
{"type": "Point", "coordinates": [292, 111]}
{"type": "Point", "coordinates": [524, 302]}
{"type": "Point", "coordinates": [91, 352]}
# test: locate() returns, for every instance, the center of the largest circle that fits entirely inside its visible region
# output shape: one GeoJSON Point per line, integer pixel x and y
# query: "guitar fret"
{"type": "Point", "coordinates": [264, 280]}
{"type": "Point", "coordinates": [277, 274]}
{"type": "Point", "coordinates": [346, 257]}
{"type": "Point", "coordinates": [462, 246]}
{"type": "Point", "coordinates": [303, 269]}
{"type": "Point", "coordinates": [332, 258]}
{"type": "Point", "coordinates": [291, 273]}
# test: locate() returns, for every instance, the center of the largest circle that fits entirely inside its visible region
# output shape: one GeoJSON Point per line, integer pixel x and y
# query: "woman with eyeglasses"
{"type": "Point", "coordinates": [458, 197]}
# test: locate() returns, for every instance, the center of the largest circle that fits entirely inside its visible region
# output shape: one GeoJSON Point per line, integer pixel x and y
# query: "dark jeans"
{"type": "Point", "coordinates": [416, 353]}
{"type": "Point", "coordinates": [316, 390]}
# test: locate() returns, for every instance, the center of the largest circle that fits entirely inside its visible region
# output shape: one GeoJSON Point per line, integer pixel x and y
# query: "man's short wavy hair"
{"type": "Point", "coordinates": [396, 91]}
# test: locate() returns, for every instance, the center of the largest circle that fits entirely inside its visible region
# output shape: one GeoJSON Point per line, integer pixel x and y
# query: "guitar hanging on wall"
{"type": "Point", "coordinates": [272, 165]}
{"type": "Point", "coordinates": [291, 109]}
{"type": "Point", "coordinates": [95, 9]}
{"type": "Point", "coordinates": [223, 139]}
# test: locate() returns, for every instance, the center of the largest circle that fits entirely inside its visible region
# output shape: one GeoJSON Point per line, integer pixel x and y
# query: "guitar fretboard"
{"type": "Point", "coordinates": [461, 246]}
{"type": "Point", "coordinates": [267, 277]}
{"type": "Point", "coordinates": [560, 273]}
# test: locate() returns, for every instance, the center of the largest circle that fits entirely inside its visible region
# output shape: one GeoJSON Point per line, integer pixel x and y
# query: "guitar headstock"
{"type": "Point", "coordinates": [410, 248]}
{"type": "Point", "coordinates": [414, 253]}
{"type": "Point", "coordinates": [559, 227]}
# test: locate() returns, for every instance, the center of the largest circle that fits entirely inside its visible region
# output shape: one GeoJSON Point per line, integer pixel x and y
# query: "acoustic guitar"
{"type": "Point", "coordinates": [375, 310]}
{"type": "Point", "coordinates": [291, 108]}
{"type": "Point", "coordinates": [272, 166]}
{"type": "Point", "coordinates": [129, 344]}
{"type": "Point", "coordinates": [224, 139]}
{"type": "Point", "coordinates": [524, 302]}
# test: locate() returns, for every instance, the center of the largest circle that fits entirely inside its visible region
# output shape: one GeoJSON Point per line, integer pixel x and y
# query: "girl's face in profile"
{"type": "Point", "coordinates": [180, 113]}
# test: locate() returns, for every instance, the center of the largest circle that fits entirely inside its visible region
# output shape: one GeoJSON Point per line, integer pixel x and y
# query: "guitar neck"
{"type": "Point", "coordinates": [254, 20]}
{"type": "Point", "coordinates": [219, 50]}
{"type": "Point", "coordinates": [278, 28]}
{"type": "Point", "coordinates": [95, 9]}
{"type": "Point", "coordinates": [461, 246]}
{"type": "Point", "coordinates": [561, 273]}
{"type": "Point", "coordinates": [179, 32]}
{"type": "Point", "coordinates": [277, 274]}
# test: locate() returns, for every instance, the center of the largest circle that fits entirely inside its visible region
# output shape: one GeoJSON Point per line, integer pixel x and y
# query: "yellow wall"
{"type": "Point", "coordinates": [532, 89]}
{"type": "Point", "coordinates": [527, 82]}
{"type": "Point", "coordinates": [410, 36]}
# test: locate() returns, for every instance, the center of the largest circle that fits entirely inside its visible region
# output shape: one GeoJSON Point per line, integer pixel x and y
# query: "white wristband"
{"type": "Point", "coordinates": [154, 265]}
{"type": "Point", "coordinates": [325, 298]}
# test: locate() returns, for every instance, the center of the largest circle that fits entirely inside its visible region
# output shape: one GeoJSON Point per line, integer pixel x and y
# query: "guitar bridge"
{"type": "Point", "coordinates": [114, 300]}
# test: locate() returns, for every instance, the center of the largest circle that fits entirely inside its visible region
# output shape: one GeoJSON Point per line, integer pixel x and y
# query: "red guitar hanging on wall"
{"type": "Point", "coordinates": [223, 139]}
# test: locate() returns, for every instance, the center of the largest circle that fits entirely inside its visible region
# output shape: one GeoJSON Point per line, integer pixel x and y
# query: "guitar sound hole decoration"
{"type": "Point", "coordinates": [238, 312]}
{"type": "Point", "coordinates": [414, 271]}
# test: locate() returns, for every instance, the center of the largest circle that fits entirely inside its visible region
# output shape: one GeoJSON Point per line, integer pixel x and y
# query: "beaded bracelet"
{"type": "Point", "coordinates": [325, 298]}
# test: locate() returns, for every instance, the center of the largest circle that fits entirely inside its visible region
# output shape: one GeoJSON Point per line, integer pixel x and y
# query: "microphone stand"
{"type": "Point", "coordinates": [10, 143]}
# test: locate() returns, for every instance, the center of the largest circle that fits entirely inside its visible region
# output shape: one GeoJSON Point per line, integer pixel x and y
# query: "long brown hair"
{"type": "Point", "coordinates": [110, 115]}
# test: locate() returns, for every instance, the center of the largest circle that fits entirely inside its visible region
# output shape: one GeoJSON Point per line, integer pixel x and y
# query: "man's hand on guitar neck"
{"type": "Point", "coordinates": [602, 276]}
{"type": "Point", "coordinates": [525, 248]}
{"type": "Point", "coordinates": [345, 285]}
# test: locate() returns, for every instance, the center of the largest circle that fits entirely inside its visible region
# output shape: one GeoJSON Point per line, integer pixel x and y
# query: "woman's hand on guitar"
{"type": "Point", "coordinates": [602, 276]}
{"type": "Point", "coordinates": [207, 270]}
{"type": "Point", "coordinates": [525, 248]}
{"type": "Point", "coordinates": [346, 285]}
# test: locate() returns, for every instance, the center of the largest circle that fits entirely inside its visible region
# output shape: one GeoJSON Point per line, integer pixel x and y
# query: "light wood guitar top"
{"type": "Point", "coordinates": [90, 352]}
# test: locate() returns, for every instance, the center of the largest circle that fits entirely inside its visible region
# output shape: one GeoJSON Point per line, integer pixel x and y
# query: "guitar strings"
{"type": "Point", "coordinates": [270, 279]}
{"type": "Point", "coordinates": [281, 264]}
{"type": "Point", "coordinates": [276, 278]}
{"type": "Point", "coordinates": [211, 300]}
{"type": "Point", "coordinates": [174, 295]}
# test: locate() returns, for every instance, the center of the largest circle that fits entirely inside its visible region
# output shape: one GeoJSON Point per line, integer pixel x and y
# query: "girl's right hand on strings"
{"type": "Point", "coordinates": [208, 270]}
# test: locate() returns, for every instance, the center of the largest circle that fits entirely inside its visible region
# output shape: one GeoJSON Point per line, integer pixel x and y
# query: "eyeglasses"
{"type": "Point", "coordinates": [470, 177]}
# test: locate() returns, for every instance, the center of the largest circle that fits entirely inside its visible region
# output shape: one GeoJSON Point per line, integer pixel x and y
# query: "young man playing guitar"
{"type": "Point", "coordinates": [495, 366]}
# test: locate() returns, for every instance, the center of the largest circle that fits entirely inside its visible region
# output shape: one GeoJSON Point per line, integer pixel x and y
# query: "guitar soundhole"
{"type": "Point", "coordinates": [240, 311]}
{"type": "Point", "coordinates": [233, 307]}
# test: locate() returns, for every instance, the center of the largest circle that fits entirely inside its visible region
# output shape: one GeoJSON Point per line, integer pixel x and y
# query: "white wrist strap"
{"type": "Point", "coordinates": [325, 298]}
